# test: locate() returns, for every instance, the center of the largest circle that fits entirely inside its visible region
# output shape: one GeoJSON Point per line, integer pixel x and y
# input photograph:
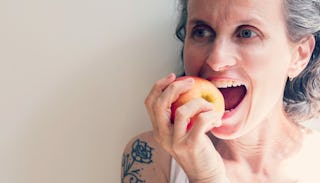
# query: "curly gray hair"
{"type": "Point", "coordinates": [302, 94]}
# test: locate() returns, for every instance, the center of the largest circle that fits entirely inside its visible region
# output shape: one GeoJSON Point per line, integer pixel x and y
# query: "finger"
{"type": "Point", "coordinates": [203, 123]}
{"type": "Point", "coordinates": [162, 107]}
{"type": "Point", "coordinates": [174, 90]}
{"type": "Point", "coordinates": [159, 86]}
{"type": "Point", "coordinates": [185, 113]}
{"type": "Point", "coordinates": [154, 94]}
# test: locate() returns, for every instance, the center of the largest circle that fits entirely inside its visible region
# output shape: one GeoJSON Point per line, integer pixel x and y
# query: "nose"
{"type": "Point", "coordinates": [221, 56]}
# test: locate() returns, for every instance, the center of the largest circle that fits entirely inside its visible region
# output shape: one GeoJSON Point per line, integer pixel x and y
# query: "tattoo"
{"type": "Point", "coordinates": [141, 153]}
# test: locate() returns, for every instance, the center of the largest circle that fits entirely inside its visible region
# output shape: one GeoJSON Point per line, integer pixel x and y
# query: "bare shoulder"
{"type": "Point", "coordinates": [311, 146]}
{"type": "Point", "coordinates": [308, 160]}
{"type": "Point", "coordinates": [144, 160]}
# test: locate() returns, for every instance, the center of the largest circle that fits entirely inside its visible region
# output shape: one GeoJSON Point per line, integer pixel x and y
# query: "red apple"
{"type": "Point", "coordinates": [202, 88]}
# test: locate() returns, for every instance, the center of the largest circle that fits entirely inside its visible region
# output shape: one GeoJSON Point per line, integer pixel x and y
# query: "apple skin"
{"type": "Point", "coordinates": [202, 88]}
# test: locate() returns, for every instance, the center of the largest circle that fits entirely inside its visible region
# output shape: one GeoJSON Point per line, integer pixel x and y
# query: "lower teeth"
{"type": "Point", "coordinates": [229, 110]}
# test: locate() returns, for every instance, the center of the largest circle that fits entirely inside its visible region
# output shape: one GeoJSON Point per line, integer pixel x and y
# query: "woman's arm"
{"type": "Point", "coordinates": [144, 160]}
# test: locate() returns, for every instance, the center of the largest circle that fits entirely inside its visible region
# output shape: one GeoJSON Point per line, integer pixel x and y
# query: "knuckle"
{"type": "Point", "coordinates": [189, 145]}
{"type": "Point", "coordinates": [160, 84]}
{"type": "Point", "coordinates": [173, 86]}
{"type": "Point", "coordinates": [204, 116]}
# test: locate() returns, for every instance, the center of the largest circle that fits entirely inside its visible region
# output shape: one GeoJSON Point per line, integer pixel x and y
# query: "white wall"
{"type": "Point", "coordinates": [73, 75]}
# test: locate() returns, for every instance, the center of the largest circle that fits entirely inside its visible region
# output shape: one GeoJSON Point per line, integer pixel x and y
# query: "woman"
{"type": "Point", "coordinates": [271, 49]}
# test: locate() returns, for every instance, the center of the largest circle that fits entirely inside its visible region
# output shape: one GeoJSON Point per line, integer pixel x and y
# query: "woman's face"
{"type": "Point", "coordinates": [240, 42]}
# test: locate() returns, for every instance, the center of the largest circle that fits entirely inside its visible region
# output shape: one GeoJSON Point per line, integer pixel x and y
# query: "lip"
{"type": "Point", "coordinates": [230, 120]}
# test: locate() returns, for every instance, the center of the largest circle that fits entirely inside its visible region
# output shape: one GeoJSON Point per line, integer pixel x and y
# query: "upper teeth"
{"type": "Point", "coordinates": [226, 84]}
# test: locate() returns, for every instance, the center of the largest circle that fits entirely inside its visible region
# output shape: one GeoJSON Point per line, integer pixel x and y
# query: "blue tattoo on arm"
{"type": "Point", "coordinates": [141, 152]}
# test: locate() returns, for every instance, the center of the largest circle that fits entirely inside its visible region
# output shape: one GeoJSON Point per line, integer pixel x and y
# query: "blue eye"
{"type": "Point", "coordinates": [246, 33]}
{"type": "Point", "coordinates": [202, 33]}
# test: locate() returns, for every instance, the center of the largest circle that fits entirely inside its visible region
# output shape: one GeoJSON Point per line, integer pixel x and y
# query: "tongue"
{"type": "Point", "coordinates": [233, 96]}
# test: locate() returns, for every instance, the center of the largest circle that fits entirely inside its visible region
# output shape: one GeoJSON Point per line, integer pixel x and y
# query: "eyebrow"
{"type": "Point", "coordinates": [254, 20]}
{"type": "Point", "coordinates": [195, 21]}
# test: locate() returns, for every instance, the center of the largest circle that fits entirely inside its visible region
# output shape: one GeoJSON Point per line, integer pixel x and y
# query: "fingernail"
{"type": "Point", "coordinates": [189, 80]}
{"type": "Point", "coordinates": [171, 75]}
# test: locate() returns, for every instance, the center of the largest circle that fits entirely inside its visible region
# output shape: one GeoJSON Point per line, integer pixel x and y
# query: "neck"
{"type": "Point", "coordinates": [269, 144]}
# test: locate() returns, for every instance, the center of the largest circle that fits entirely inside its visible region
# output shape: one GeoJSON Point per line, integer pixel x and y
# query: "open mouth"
{"type": "Point", "coordinates": [233, 93]}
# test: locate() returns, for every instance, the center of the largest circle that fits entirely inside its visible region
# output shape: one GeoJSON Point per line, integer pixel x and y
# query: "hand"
{"type": "Point", "coordinates": [192, 149]}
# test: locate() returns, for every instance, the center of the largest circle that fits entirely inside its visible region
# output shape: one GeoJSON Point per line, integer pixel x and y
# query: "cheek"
{"type": "Point", "coordinates": [267, 64]}
{"type": "Point", "coordinates": [193, 59]}
{"type": "Point", "coordinates": [267, 71]}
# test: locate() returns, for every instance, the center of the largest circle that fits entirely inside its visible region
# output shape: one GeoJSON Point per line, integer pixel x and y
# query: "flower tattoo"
{"type": "Point", "coordinates": [141, 152]}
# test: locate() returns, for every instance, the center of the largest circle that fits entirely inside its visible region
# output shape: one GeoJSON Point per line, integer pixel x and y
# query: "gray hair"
{"type": "Point", "coordinates": [302, 94]}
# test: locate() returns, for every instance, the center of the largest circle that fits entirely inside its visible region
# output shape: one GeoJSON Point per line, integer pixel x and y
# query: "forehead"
{"type": "Point", "coordinates": [227, 11]}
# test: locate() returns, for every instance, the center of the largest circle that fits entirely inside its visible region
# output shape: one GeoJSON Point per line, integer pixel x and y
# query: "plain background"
{"type": "Point", "coordinates": [74, 75]}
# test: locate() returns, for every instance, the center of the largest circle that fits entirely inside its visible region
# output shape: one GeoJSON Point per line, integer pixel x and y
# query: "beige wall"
{"type": "Point", "coordinates": [73, 75]}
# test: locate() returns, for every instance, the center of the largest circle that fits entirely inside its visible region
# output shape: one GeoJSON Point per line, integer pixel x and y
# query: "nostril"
{"type": "Point", "coordinates": [222, 68]}
{"type": "Point", "coordinates": [218, 64]}
{"type": "Point", "coordinates": [219, 67]}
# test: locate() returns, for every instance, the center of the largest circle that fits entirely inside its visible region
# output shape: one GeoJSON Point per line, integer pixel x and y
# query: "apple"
{"type": "Point", "coordinates": [202, 88]}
